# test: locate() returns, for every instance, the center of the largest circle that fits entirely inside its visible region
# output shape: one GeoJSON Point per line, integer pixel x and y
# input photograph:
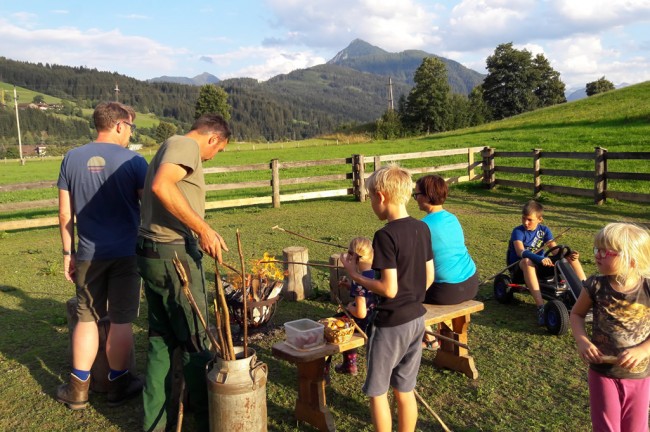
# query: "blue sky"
{"type": "Point", "coordinates": [583, 39]}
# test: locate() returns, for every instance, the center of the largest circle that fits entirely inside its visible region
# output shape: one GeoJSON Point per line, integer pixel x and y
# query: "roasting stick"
{"type": "Point", "coordinates": [179, 419]}
{"type": "Point", "coordinates": [448, 339]}
{"type": "Point", "coordinates": [426, 405]}
{"type": "Point", "coordinates": [190, 298]}
{"type": "Point", "coordinates": [361, 332]}
{"type": "Point", "coordinates": [218, 324]}
{"type": "Point", "coordinates": [229, 350]}
{"type": "Point", "coordinates": [245, 294]}
{"type": "Point", "coordinates": [308, 238]}
{"type": "Point", "coordinates": [301, 263]}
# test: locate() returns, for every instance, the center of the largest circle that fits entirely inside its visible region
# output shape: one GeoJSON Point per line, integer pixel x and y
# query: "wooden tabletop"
{"type": "Point", "coordinates": [286, 352]}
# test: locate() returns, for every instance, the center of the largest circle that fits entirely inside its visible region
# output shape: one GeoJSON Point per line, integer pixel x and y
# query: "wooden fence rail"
{"type": "Point", "coordinates": [356, 175]}
{"type": "Point", "coordinates": [600, 174]}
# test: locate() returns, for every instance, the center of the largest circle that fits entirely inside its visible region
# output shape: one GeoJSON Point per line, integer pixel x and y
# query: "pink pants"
{"type": "Point", "coordinates": [618, 405]}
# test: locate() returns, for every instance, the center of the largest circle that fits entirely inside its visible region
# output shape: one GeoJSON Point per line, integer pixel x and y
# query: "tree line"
{"type": "Point", "coordinates": [516, 83]}
{"type": "Point", "coordinates": [299, 105]}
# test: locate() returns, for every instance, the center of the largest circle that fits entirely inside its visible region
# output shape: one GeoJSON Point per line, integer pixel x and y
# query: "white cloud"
{"type": "Point", "coordinates": [262, 63]}
{"type": "Point", "coordinates": [607, 13]}
{"type": "Point", "coordinates": [394, 25]}
{"type": "Point", "coordinates": [91, 48]}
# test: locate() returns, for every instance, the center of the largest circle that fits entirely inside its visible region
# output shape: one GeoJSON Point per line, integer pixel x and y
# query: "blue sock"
{"type": "Point", "coordinates": [81, 374]}
{"type": "Point", "coordinates": [115, 374]}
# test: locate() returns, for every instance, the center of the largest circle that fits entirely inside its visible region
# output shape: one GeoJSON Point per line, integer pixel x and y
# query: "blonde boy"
{"type": "Point", "coordinates": [404, 260]}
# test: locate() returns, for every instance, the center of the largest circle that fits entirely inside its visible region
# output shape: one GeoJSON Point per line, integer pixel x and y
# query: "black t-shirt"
{"type": "Point", "coordinates": [403, 244]}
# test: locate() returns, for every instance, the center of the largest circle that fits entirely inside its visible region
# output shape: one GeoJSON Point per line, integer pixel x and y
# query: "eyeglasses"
{"type": "Point", "coordinates": [131, 125]}
{"type": "Point", "coordinates": [604, 253]}
{"type": "Point", "coordinates": [415, 195]}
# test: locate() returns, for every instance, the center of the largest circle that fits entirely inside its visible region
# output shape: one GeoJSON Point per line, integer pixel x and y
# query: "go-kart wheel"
{"type": "Point", "coordinates": [502, 291]}
{"type": "Point", "coordinates": [557, 317]}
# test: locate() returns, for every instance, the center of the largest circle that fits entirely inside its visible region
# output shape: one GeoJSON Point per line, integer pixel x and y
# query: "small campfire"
{"type": "Point", "coordinates": [262, 289]}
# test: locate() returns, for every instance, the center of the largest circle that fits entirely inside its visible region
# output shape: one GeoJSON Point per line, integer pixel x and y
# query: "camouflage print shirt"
{"type": "Point", "coordinates": [621, 321]}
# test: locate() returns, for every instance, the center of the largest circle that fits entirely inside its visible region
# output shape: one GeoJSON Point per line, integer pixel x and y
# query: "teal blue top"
{"type": "Point", "coordinates": [451, 259]}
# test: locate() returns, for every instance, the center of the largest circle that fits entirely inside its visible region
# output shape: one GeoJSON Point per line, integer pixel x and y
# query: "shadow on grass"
{"type": "Point", "coordinates": [39, 340]}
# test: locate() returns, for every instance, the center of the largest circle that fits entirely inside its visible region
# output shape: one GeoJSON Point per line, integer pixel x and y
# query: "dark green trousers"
{"type": "Point", "coordinates": [173, 323]}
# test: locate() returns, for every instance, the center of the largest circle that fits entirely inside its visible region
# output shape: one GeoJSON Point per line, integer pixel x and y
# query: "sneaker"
{"type": "Point", "coordinates": [541, 319]}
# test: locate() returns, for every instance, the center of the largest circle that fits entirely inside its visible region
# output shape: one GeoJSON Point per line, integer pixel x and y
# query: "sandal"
{"type": "Point", "coordinates": [431, 345]}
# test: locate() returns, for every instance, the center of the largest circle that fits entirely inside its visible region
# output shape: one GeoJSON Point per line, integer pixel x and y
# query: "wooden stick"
{"type": "Point", "coordinates": [517, 262]}
{"type": "Point", "coordinates": [218, 323]}
{"type": "Point", "coordinates": [229, 350]}
{"type": "Point", "coordinates": [190, 298]}
{"type": "Point", "coordinates": [231, 268]}
{"type": "Point", "coordinates": [433, 413]}
{"type": "Point", "coordinates": [363, 334]}
{"type": "Point", "coordinates": [308, 238]}
{"type": "Point", "coordinates": [448, 339]}
{"type": "Point", "coordinates": [245, 294]}
{"type": "Point", "coordinates": [295, 262]}
{"type": "Point", "coordinates": [179, 420]}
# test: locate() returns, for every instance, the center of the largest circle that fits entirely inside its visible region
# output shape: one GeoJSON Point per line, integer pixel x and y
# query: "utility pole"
{"type": "Point", "coordinates": [20, 142]}
{"type": "Point", "coordinates": [117, 91]}
{"type": "Point", "coordinates": [390, 94]}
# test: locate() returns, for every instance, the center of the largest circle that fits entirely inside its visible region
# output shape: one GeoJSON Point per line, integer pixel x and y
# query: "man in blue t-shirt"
{"type": "Point", "coordinates": [100, 185]}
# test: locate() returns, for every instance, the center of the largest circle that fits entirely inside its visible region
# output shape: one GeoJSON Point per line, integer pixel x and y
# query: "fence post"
{"type": "Point", "coordinates": [470, 163]}
{"type": "Point", "coordinates": [275, 182]}
{"type": "Point", "coordinates": [358, 178]}
{"type": "Point", "coordinates": [488, 167]}
{"type": "Point", "coordinates": [600, 176]}
{"type": "Point", "coordinates": [537, 181]}
{"type": "Point", "coordinates": [377, 163]}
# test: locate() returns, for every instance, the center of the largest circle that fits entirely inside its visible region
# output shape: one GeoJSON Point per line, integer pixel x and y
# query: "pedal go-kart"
{"type": "Point", "coordinates": [560, 291]}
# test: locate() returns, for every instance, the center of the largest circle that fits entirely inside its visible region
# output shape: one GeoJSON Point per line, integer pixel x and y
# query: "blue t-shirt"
{"type": "Point", "coordinates": [532, 240]}
{"type": "Point", "coordinates": [451, 260]}
{"type": "Point", "coordinates": [103, 181]}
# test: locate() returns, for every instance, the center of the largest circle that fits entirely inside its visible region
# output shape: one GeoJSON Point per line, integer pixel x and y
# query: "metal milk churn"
{"type": "Point", "coordinates": [237, 393]}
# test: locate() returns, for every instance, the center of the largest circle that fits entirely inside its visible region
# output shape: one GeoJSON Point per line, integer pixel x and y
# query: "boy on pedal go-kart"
{"type": "Point", "coordinates": [525, 240]}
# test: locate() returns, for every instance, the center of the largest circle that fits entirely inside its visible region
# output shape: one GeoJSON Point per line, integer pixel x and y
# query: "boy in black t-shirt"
{"type": "Point", "coordinates": [404, 259]}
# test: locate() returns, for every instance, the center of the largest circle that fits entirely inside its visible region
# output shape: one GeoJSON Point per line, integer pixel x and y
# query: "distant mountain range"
{"type": "Point", "coordinates": [364, 57]}
{"type": "Point", "coordinates": [199, 80]}
{"type": "Point", "coordinates": [349, 90]}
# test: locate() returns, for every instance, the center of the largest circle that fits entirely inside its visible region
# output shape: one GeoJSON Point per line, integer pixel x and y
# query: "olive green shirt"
{"type": "Point", "coordinates": [158, 224]}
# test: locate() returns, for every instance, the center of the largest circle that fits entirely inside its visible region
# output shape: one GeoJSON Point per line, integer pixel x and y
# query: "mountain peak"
{"type": "Point", "coordinates": [357, 48]}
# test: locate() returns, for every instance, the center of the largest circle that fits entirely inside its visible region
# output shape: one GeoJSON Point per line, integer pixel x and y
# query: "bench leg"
{"type": "Point", "coordinates": [452, 356]}
{"type": "Point", "coordinates": [311, 405]}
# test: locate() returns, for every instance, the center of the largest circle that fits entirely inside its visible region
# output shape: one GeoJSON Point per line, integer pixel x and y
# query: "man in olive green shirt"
{"type": "Point", "coordinates": [173, 208]}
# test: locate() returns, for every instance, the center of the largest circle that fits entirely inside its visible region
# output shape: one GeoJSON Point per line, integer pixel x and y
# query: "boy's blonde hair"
{"type": "Point", "coordinates": [632, 243]}
{"type": "Point", "coordinates": [362, 246]}
{"type": "Point", "coordinates": [392, 181]}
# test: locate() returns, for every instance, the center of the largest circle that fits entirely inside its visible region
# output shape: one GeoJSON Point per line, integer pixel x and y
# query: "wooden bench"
{"type": "Point", "coordinates": [311, 405]}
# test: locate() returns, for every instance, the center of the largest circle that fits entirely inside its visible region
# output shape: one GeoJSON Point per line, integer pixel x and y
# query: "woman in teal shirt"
{"type": "Point", "coordinates": [456, 279]}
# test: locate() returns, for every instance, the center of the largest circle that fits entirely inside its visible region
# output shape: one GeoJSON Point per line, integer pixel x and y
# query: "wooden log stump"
{"type": "Point", "coordinates": [335, 275]}
{"type": "Point", "coordinates": [100, 368]}
{"type": "Point", "coordinates": [298, 280]}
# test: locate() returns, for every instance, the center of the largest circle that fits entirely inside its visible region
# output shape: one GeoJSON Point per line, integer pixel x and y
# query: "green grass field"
{"type": "Point", "coordinates": [529, 380]}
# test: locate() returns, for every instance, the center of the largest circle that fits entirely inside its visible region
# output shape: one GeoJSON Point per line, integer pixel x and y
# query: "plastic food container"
{"type": "Point", "coordinates": [304, 334]}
